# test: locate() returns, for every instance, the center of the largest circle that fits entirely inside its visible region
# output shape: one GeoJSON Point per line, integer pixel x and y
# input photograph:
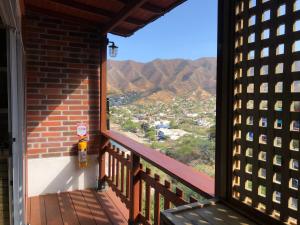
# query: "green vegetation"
{"type": "Point", "coordinates": [190, 148]}
{"type": "Point", "coordinates": [151, 134]}
{"type": "Point", "coordinates": [130, 126]}
{"type": "Point", "coordinates": [196, 148]}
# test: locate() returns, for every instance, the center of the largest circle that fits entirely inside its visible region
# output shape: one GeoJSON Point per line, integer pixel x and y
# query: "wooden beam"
{"type": "Point", "coordinates": [97, 10]}
{"type": "Point", "coordinates": [103, 113]}
{"type": "Point", "coordinates": [122, 15]}
{"type": "Point", "coordinates": [103, 84]}
{"type": "Point", "coordinates": [122, 32]}
{"type": "Point", "coordinates": [222, 171]}
{"type": "Point", "coordinates": [22, 7]}
{"type": "Point", "coordinates": [134, 190]}
{"type": "Point", "coordinates": [148, 7]}
{"type": "Point", "coordinates": [51, 7]}
{"type": "Point", "coordinates": [153, 8]}
{"type": "Point", "coordinates": [85, 7]}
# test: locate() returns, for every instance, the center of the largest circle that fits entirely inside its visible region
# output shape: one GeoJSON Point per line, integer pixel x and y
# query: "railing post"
{"type": "Point", "coordinates": [134, 189]}
{"type": "Point", "coordinates": [103, 112]}
{"type": "Point", "coordinates": [101, 179]}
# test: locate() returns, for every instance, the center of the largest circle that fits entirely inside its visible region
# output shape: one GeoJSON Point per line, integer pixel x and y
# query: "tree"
{"type": "Point", "coordinates": [130, 126]}
{"type": "Point", "coordinates": [151, 134]}
{"type": "Point", "coordinates": [191, 148]}
{"type": "Point", "coordinates": [173, 124]}
{"type": "Point", "coordinates": [145, 127]}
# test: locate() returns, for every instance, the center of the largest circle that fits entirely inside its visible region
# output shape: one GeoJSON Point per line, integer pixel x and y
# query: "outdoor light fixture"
{"type": "Point", "coordinates": [113, 49]}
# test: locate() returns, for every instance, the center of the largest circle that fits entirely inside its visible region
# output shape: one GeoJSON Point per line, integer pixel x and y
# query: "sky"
{"type": "Point", "coordinates": [188, 31]}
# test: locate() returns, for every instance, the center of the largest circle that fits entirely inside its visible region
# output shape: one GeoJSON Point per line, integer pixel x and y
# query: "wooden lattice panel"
{"type": "Point", "coordinates": [266, 109]}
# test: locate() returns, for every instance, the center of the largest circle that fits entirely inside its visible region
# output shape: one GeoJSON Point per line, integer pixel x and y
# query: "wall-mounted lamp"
{"type": "Point", "coordinates": [113, 49]}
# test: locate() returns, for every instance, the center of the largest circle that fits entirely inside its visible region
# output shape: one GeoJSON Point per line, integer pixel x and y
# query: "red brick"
{"type": "Point", "coordinates": [32, 102]}
{"type": "Point", "coordinates": [59, 94]}
{"type": "Point", "coordinates": [56, 85]}
{"type": "Point", "coordinates": [36, 129]}
{"type": "Point", "coordinates": [72, 102]}
{"type": "Point", "coordinates": [79, 118]}
{"type": "Point", "coordinates": [51, 102]}
{"type": "Point", "coordinates": [62, 149]}
{"type": "Point", "coordinates": [58, 128]}
{"type": "Point", "coordinates": [35, 118]}
{"type": "Point", "coordinates": [78, 97]}
{"type": "Point", "coordinates": [37, 139]}
{"type": "Point", "coordinates": [52, 112]}
{"type": "Point", "coordinates": [70, 143]}
{"type": "Point", "coordinates": [58, 139]}
{"type": "Point", "coordinates": [51, 134]}
{"type": "Point", "coordinates": [60, 118]}
{"type": "Point", "coordinates": [74, 138]}
{"type": "Point", "coordinates": [60, 107]}
{"type": "Point", "coordinates": [48, 144]}
{"type": "Point", "coordinates": [31, 135]}
{"type": "Point", "coordinates": [77, 107]}
{"type": "Point", "coordinates": [51, 123]}
{"type": "Point", "coordinates": [37, 151]}
{"type": "Point", "coordinates": [50, 155]}
{"type": "Point", "coordinates": [72, 123]}
{"type": "Point", "coordinates": [33, 113]}
{"type": "Point", "coordinates": [72, 113]}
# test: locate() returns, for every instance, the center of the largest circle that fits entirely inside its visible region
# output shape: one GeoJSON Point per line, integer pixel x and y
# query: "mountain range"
{"type": "Point", "coordinates": [164, 79]}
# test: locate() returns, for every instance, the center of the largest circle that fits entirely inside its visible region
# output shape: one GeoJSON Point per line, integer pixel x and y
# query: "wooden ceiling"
{"type": "Point", "coordinates": [120, 17]}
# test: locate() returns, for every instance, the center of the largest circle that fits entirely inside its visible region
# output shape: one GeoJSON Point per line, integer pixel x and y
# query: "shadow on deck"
{"type": "Point", "coordinates": [86, 207]}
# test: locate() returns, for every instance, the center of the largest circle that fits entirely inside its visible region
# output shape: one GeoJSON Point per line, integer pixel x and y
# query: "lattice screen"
{"type": "Point", "coordinates": [267, 107]}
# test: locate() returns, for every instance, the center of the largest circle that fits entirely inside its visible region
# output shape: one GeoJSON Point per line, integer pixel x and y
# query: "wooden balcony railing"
{"type": "Point", "coordinates": [129, 174]}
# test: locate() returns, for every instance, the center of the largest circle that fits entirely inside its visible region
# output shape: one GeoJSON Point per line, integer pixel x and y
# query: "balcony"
{"type": "Point", "coordinates": [131, 191]}
{"type": "Point", "coordinates": [64, 83]}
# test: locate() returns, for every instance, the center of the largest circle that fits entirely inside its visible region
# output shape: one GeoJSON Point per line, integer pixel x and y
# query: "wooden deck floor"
{"type": "Point", "coordinates": [86, 207]}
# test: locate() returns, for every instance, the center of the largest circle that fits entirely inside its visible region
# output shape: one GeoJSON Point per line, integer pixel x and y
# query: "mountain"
{"type": "Point", "coordinates": [164, 79]}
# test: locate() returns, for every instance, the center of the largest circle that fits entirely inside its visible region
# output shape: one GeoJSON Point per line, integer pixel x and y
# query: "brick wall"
{"type": "Point", "coordinates": [62, 76]}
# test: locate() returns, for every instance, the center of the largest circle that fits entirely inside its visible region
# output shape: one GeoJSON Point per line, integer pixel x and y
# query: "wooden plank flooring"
{"type": "Point", "coordinates": [86, 207]}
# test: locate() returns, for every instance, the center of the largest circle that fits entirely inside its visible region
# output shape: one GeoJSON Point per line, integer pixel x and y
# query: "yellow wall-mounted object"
{"type": "Point", "coordinates": [82, 153]}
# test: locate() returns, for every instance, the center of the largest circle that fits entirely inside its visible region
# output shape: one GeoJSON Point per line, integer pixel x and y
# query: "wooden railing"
{"type": "Point", "coordinates": [144, 193]}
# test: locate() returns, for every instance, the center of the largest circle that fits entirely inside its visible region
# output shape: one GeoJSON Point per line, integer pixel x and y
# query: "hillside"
{"type": "Point", "coordinates": [164, 79]}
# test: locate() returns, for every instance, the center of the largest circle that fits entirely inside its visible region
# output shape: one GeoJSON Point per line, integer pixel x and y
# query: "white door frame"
{"type": "Point", "coordinates": [10, 14]}
{"type": "Point", "coordinates": [16, 118]}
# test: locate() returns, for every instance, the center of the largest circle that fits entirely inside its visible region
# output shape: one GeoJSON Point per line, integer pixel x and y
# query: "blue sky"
{"type": "Point", "coordinates": [189, 32]}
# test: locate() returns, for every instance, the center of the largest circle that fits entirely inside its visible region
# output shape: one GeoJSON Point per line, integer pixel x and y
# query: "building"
{"type": "Point", "coordinates": [53, 77]}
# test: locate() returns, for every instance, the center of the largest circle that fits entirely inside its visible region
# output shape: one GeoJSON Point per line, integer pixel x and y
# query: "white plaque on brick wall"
{"type": "Point", "coordinates": [81, 129]}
